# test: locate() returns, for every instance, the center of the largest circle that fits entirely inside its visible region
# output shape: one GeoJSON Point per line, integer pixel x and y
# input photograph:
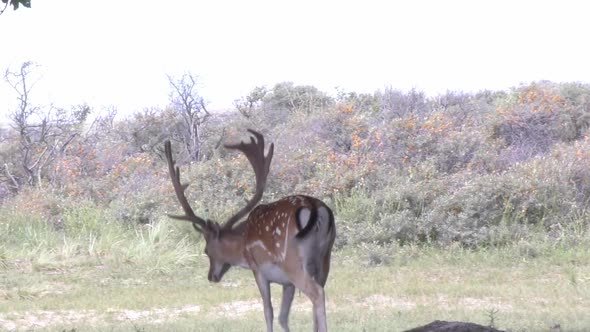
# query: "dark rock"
{"type": "Point", "coordinates": [442, 326]}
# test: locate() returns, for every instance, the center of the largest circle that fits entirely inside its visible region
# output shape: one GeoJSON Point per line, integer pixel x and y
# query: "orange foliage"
{"type": "Point", "coordinates": [542, 99]}
{"type": "Point", "coordinates": [410, 123]}
{"type": "Point", "coordinates": [132, 164]}
{"type": "Point", "coordinates": [357, 142]}
{"type": "Point", "coordinates": [378, 137]}
{"type": "Point", "coordinates": [437, 124]}
{"type": "Point", "coordinates": [332, 157]}
{"type": "Point", "coordinates": [344, 108]}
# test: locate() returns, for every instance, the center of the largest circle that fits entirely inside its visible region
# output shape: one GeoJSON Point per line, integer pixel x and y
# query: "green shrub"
{"type": "Point", "coordinates": [398, 168]}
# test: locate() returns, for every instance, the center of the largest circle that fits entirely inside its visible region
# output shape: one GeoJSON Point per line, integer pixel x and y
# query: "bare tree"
{"type": "Point", "coordinates": [102, 125]}
{"type": "Point", "coordinates": [148, 129]}
{"type": "Point", "coordinates": [191, 106]}
{"type": "Point", "coordinates": [248, 104]}
{"type": "Point", "coordinates": [41, 135]}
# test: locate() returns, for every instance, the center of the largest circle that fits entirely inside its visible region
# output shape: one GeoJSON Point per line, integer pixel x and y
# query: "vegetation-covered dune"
{"type": "Point", "coordinates": [460, 179]}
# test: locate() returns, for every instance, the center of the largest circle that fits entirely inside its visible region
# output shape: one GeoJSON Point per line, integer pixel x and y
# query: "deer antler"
{"type": "Point", "coordinates": [254, 151]}
{"type": "Point", "coordinates": [189, 215]}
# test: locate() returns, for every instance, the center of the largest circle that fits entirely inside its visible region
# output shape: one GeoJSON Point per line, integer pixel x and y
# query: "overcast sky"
{"type": "Point", "coordinates": [119, 52]}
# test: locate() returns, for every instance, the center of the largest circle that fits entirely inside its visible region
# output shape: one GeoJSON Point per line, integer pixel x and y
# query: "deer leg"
{"type": "Point", "coordinates": [315, 292]}
{"type": "Point", "coordinates": [288, 293]}
{"type": "Point", "coordinates": [264, 287]}
{"type": "Point", "coordinates": [323, 277]}
{"type": "Point", "coordinates": [319, 310]}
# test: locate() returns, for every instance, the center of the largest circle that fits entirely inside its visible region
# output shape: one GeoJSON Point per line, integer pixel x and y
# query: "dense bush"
{"type": "Point", "coordinates": [479, 169]}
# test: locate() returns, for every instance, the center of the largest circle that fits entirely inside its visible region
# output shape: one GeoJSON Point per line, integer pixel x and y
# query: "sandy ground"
{"type": "Point", "coordinates": [45, 318]}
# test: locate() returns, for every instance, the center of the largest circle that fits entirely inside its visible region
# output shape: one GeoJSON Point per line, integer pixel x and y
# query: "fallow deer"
{"type": "Point", "coordinates": [288, 242]}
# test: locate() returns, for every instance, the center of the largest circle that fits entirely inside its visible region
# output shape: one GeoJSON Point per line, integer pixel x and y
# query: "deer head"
{"type": "Point", "coordinates": [222, 239]}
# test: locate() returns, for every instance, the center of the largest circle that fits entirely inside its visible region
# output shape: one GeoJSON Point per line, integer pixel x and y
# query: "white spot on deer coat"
{"type": "Point", "coordinates": [260, 244]}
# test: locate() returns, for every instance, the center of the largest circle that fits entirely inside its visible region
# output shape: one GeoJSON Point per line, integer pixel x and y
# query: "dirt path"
{"type": "Point", "coordinates": [46, 318]}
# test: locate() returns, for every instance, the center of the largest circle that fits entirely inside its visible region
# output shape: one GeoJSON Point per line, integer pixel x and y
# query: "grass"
{"type": "Point", "coordinates": [154, 279]}
{"type": "Point", "coordinates": [95, 274]}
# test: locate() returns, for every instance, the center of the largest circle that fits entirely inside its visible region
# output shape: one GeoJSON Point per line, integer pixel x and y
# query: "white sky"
{"type": "Point", "coordinates": [119, 52]}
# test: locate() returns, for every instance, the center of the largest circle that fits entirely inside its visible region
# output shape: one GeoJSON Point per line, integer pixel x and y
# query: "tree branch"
{"type": "Point", "coordinates": [12, 178]}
